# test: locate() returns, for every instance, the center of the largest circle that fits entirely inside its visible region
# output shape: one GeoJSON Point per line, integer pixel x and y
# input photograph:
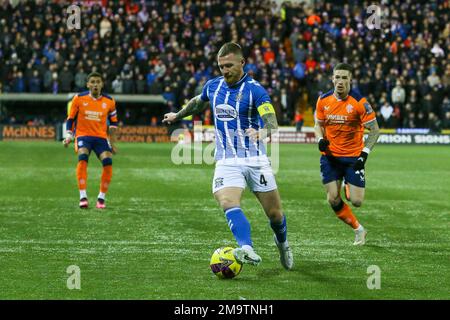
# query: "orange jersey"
{"type": "Point", "coordinates": [91, 115]}
{"type": "Point", "coordinates": [344, 121]}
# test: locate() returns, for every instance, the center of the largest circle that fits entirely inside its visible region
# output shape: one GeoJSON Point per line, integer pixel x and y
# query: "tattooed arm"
{"type": "Point", "coordinates": [270, 123]}
{"type": "Point", "coordinates": [374, 133]}
{"type": "Point", "coordinates": [269, 118]}
{"type": "Point", "coordinates": [194, 106]}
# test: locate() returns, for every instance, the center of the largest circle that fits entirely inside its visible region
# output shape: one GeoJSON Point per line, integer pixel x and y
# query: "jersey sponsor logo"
{"type": "Point", "coordinates": [349, 108]}
{"type": "Point", "coordinates": [368, 107]}
{"type": "Point", "coordinates": [93, 115]}
{"type": "Point", "coordinates": [225, 112]}
{"type": "Point", "coordinates": [336, 118]}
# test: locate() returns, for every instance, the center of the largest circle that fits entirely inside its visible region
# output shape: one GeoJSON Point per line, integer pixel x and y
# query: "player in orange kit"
{"type": "Point", "coordinates": [88, 119]}
{"type": "Point", "coordinates": [341, 116]}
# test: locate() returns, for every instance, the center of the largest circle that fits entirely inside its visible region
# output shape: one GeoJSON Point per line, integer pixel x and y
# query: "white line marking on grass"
{"type": "Point", "coordinates": [93, 242]}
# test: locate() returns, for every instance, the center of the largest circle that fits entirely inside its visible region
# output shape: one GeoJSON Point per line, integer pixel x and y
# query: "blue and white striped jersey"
{"type": "Point", "coordinates": [235, 109]}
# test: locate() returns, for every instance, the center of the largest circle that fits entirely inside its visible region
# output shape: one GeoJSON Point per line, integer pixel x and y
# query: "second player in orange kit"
{"type": "Point", "coordinates": [341, 116]}
{"type": "Point", "coordinates": [92, 122]}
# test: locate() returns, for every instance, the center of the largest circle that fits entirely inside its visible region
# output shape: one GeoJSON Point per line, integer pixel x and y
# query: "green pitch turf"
{"type": "Point", "coordinates": [155, 239]}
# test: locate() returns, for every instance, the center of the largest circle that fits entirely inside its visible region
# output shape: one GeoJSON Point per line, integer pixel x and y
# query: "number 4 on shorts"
{"type": "Point", "coordinates": [262, 180]}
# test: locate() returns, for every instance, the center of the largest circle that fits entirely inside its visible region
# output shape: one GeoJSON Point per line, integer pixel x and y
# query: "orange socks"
{"type": "Point", "coordinates": [106, 178]}
{"type": "Point", "coordinates": [345, 214]}
{"type": "Point", "coordinates": [82, 174]}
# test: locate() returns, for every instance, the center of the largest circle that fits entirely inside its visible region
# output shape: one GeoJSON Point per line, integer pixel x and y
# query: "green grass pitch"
{"type": "Point", "coordinates": [155, 239]}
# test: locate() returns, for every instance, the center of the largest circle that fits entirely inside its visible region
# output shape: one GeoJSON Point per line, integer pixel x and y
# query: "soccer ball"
{"type": "Point", "coordinates": [223, 263]}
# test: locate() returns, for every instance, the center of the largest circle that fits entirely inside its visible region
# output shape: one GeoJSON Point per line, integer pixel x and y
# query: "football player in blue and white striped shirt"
{"type": "Point", "coordinates": [238, 102]}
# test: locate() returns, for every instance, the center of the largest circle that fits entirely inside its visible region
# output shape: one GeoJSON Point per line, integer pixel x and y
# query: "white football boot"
{"type": "Point", "coordinates": [360, 236]}
{"type": "Point", "coordinates": [286, 256]}
{"type": "Point", "coordinates": [246, 254]}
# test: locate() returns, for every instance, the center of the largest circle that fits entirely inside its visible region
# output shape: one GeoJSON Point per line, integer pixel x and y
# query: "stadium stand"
{"type": "Point", "coordinates": [168, 48]}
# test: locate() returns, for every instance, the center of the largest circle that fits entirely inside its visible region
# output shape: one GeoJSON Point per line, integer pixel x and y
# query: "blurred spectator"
{"type": "Point", "coordinates": [168, 94]}
{"type": "Point", "coordinates": [434, 123]}
{"type": "Point", "coordinates": [278, 109]}
{"type": "Point", "coordinates": [269, 56]}
{"type": "Point", "coordinates": [421, 121]}
{"type": "Point", "coordinates": [54, 83]}
{"type": "Point", "coordinates": [12, 120]}
{"type": "Point", "coordinates": [386, 111]}
{"type": "Point", "coordinates": [446, 104]}
{"type": "Point", "coordinates": [446, 123]}
{"type": "Point", "coordinates": [398, 94]}
{"type": "Point", "coordinates": [154, 121]}
{"type": "Point", "coordinates": [433, 79]}
{"type": "Point", "coordinates": [34, 83]}
{"type": "Point", "coordinates": [117, 85]}
{"type": "Point", "coordinates": [410, 121]}
{"type": "Point", "coordinates": [18, 83]}
{"type": "Point", "coordinates": [105, 27]}
{"type": "Point", "coordinates": [80, 80]}
{"type": "Point", "coordinates": [298, 121]}
{"type": "Point", "coordinates": [127, 77]}
{"type": "Point", "coordinates": [141, 86]}
{"type": "Point", "coordinates": [65, 80]}
{"type": "Point", "coordinates": [437, 51]}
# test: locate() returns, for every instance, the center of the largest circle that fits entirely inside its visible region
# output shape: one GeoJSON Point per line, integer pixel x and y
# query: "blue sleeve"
{"type": "Point", "coordinates": [260, 95]}
{"type": "Point", "coordinates": [69, 124]}
{"type": "Point", "coordinates": [204, 95]}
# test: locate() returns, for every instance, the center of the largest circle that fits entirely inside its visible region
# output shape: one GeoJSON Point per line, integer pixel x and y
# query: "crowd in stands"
{"type": "Point", "coordinates": [169, 47]}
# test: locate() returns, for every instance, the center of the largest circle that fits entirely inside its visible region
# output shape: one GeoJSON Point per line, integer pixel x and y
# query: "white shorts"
{"type": "Point", "coordinates": [258, 178]}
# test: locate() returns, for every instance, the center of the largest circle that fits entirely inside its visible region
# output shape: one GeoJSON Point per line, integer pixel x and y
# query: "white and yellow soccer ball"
{"type": "Point", "coordinates": [223, 263]}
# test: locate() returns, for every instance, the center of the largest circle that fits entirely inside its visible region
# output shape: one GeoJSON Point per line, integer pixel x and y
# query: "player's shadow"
{"type": "Point", "coordinates": [270, 272]}
{"type": "Point", "coordinates": [377, 247]}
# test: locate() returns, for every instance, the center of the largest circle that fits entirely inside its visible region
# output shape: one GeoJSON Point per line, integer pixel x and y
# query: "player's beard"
{"type": "Point", "coordinates": [230, 78]}
{"type": "Point", "coordinates": [342, 91]}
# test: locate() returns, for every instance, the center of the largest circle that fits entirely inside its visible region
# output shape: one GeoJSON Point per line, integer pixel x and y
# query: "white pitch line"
{"type": "Point", "coordinates": [92, 242]}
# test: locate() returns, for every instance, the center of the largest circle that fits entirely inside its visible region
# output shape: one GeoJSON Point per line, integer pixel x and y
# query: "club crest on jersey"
{"type": "Point", "coordinates": [349, 108]}
{"type": "Point", "coordinates": [225, 112]}
{"type": "Point", "coordinates": [239, 97]}
{"type": "Point", "coordinates": [104, 105]}
{"type": "Point", "coordinates": [368, 107]}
